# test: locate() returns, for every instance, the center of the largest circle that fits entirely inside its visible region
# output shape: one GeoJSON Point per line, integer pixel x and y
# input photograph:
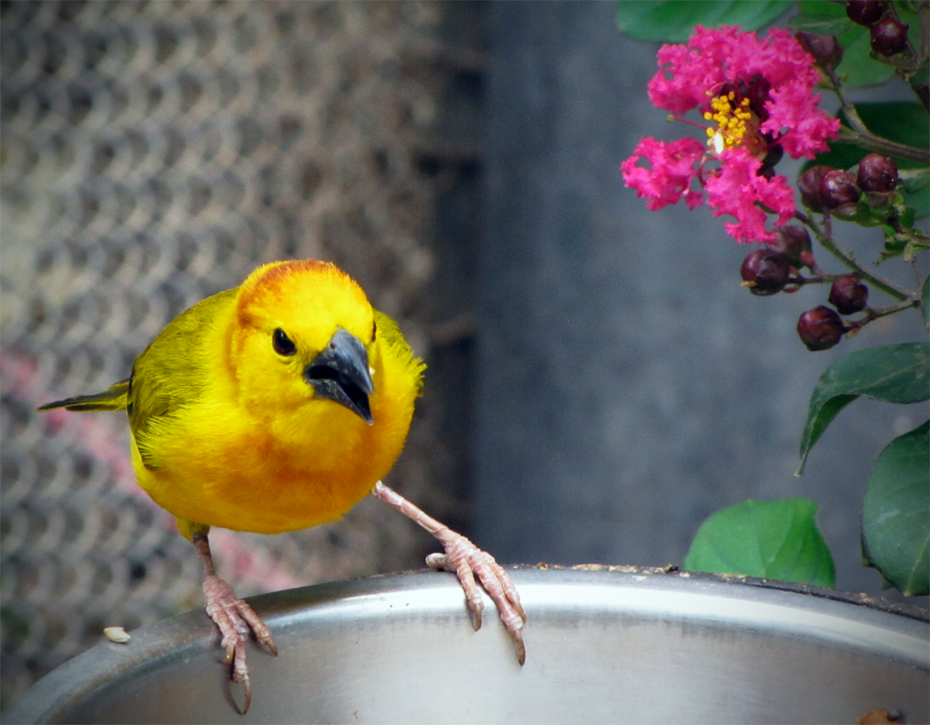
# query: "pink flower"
{"type": "Point", "coordinates": [672, 171]}
{"type": "Point", "coordinates": [714, 61]}
{"type": "Point", "coordinates": [801, 128]}
{"type": "Point", "coordinates": [758, 95]}
{"type": "Point", "coordinates": [737, 189]}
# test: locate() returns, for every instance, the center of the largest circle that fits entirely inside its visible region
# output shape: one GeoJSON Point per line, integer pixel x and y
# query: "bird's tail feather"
{"type": "Point", "coordinates": [113, 398]}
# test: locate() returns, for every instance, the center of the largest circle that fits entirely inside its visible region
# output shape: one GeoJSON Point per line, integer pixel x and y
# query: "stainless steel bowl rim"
{"type": "Point", "coordinates": [626, 593]}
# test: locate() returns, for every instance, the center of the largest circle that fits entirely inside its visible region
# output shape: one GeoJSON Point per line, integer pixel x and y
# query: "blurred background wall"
{"type": "Point", "coordinates": [598, 381]}
{"type": "Point", "coordinates": [628, 386]}
{"type": "Point", "coordinates": [154, 154]}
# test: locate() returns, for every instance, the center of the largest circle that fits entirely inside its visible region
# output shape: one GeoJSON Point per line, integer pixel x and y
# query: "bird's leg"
{"type": "Point", "coordinates": [233, 616]}
{"type": "Point", "coordinates": [466, 560]}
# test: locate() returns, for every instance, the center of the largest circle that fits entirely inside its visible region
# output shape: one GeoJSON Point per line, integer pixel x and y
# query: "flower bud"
{"type": "Point", "coordinates": [791, 240]}
{"type": "Point", "coordinates": [820, 328]}
{"type": "Point", "coordinates": [773, 156]}
{"type": "Point", "coordinates": [877, 173]}
{"type": "Point", "coordinates": [758, 94]}
{"type": "Point", "coordinates": [848, 294]}
{"type": "Point", "coordinates": [889, 36]}
{"type": "Point", "coordinates": [809, 186]}
{"type": "Point", "coordinates": [826, 49]}
{"type": "Point", "coordinates": [838, 187]}
{"type": "Point", "coordinates": [765, 272]}
{"type": "Point", "coordinates": [865, 12]}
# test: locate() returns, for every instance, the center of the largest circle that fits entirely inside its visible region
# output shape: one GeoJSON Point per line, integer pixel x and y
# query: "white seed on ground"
{"type": "Point", "coordinates": [117, 634]}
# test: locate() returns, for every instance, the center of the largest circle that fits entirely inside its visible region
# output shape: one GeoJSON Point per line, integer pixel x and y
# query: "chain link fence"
{"type": "Point", "coordinates": [152, 154]}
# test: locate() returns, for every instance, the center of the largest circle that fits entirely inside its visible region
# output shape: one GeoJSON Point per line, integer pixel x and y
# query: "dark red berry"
{"type": "Point", "coordinates": [826, 49]}
{"type": "Point", "coordinates": [837, 188]}
{"type": "Point", "coordinates": [765, 272]}
{"type": "Point", "coordinates": [728, 88]}
{"type": "Point", "coordinates": [849, 295]}
{"type": "Point", "coordinates": [809, 186]}
{"type": "Point", "coordinates": [889, 36]}
{"type": "Point", "coordinates": [820, 328]}
{"type": "Point", "coordinates": [877, 173]}
{"type": "Point", "coordinates": [864, 12]}
{"type": "Point", "coordinates": [791, 240]}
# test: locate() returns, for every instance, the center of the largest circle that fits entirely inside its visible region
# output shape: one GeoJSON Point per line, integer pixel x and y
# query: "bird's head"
{"type": "Point", "coordinates": [303, 333]}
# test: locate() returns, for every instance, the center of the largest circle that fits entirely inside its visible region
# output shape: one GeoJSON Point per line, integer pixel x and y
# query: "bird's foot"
{"type": "Point", "coordinates": [466, 560]}
{"type": "Point", "coordinates": [235, 620]}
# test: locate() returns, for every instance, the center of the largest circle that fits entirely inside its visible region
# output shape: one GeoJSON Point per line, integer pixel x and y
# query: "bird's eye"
{"type": "Point", "coordinates": [283, 345]}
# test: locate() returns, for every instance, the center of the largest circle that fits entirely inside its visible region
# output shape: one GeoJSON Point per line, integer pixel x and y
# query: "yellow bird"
{"type": "Point", "coordinates": [277, 406]}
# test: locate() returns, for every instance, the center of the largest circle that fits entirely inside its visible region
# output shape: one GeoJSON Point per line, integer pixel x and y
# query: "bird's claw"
{"type": "Point", "coordinates": [240, 673]}
{"type": "Point", "coordinates": [236, 620]}
{"type": "Point", "coordinates": [466, 560]}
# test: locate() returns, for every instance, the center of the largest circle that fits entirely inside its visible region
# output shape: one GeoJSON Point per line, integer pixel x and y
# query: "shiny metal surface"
{"type": "Point", "coordinates": [602, 646]}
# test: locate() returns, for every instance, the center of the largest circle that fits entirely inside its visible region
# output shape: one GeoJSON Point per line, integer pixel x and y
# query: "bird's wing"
{"type": "Point", "coordinates": [113, 398]}
{"type": "Point", "coordinates": [398, 349]}
{"type": "Point", "coordinates": [171, 373]}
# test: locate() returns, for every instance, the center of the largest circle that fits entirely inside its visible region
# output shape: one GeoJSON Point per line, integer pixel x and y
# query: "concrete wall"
{"type": "Point", "coordinates": [627, 385]}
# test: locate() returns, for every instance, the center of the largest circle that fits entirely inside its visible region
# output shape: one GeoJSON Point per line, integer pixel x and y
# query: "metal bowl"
{"type": "Point", "coordinates": [602, 646]}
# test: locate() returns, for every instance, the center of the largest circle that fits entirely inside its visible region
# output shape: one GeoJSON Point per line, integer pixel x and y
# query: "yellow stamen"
{"type": "Point", "coordinates": [736, 125]}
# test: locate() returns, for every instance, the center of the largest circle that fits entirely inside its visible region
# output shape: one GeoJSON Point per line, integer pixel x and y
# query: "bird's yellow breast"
{"type": "Point", "coordinates": [243, 451]}
{"type": "Point", "coordinates": [221, 467]}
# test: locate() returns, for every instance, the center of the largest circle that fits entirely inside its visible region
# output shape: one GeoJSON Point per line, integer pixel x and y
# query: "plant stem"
{"type": "Point", "coordinates": [912, 234]}
{"type": "Point", "coordinates": [923, 13]}
{"type": "Point", "coordinates": [918, 282]}
{"type": "Point", "coordinates": [826, 241]}
{"type": "Point", "coordinates": [848, 108]}
{"type": "Point", "coordinates": [919, 54]}
{"type": "Point", "coordinates": [801, 280]}
{"type": "Point", "coordinates": [874, 313]}
{"type": "Point", "coordinates": [849, 260]}
{"type": "Point", "coordinates": [881, 145]}
{"type": "Point", "coordinates": [861, 136]}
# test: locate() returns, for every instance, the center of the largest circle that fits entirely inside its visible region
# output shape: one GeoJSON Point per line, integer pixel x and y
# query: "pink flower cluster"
{"type": "Point", "coordinates": [774, 79]}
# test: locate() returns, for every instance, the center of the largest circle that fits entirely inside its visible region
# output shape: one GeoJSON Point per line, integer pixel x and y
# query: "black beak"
{"type": "Point", "coordinates": [340, 373]}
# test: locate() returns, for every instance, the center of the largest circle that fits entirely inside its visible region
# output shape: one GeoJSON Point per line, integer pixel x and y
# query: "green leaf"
{"type": "Point", "coordinates": [897, 243]}
{"type": "Point", "coordinates": [901, 121]}
{"type": "Point", "coordinates": [893, 247]}
{"type": "Point", "coordinates": [770, 539]}
{"type": "Point", "coordinates": [896, 512]}
{"type": "Point", "coordinates": [858, 67]}
{"type": "Point", "coordinates": [914, 180]}
{"type": "Point", "coordinates": [920, 77]}
{"type": "Point", "coordinates": [893, 373]}
{"type": "Point", "coordinates": [673, 21]}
